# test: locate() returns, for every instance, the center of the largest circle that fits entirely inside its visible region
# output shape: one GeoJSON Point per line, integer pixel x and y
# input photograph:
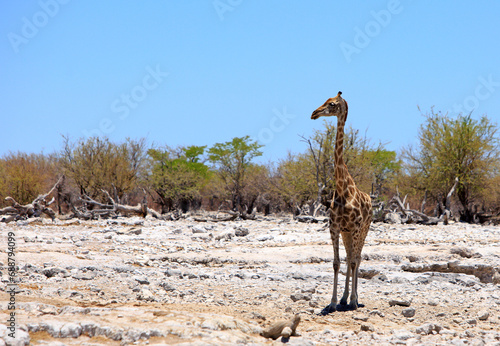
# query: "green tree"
{"type": "Point", "coordinates": [385, 168]}
{"type": "Point", "coordinates": [232, 160]}
{"type": "Point", "coordinates": [178, 175]}
{"type": "Point", "coordinates": [451, 148]}
{"type": "Point", "coordinates": [294, 181]}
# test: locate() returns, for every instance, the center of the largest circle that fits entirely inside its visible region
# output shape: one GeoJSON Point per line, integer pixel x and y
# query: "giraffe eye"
{"type": "Point", "coordinates": [332, 104]}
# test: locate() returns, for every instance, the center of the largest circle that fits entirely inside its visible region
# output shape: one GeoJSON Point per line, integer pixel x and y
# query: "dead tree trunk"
{"type": "Point", "coordinates": [413, 215]}
{"type": "Point", "coordinates": [36, 208]}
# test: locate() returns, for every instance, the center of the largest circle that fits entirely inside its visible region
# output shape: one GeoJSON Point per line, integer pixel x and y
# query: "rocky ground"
{"type": "Point", "coordinates": [143, 281]}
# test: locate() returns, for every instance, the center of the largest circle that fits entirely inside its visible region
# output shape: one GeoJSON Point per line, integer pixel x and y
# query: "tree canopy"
{"type": "Point", "coordinates": [232, 160]}
{"type": "Point", "coordinates": [450, 148]}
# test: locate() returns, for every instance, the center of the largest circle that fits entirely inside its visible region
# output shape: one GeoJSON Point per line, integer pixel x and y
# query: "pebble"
{"type": "Point", "coordinates": [143, 280]}
{"type": "Point", "coordinates": [483, 315]}
{"type": "Point", "coordinates": [410, 312]}
{"type": "Point", "coordinates": [241, 232]}
{"type": "Point", "coordinates": [300, 296]}
{"type": "Point", "coordinates": [428, 328]}
{"type": "Point", "coordinates": [198, 229]}
{"type": "Point", "coordinates": [399, 302]}
{"type": "Point", "coordinates": [264, 237]}
{"type": "Point", "coordinates": [134, 231]}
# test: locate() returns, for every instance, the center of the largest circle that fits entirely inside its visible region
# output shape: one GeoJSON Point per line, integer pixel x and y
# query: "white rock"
{"type": "Point", "coordinates": [264, 237]}
{"type": "Point", "coordinates": [483, 315]}
{"type": "Point", "coordinates": [71, 330]}
{"type": "Point", "coordinates": [198, 229]}
{"type": "Point", "coordinates": [89, 328]}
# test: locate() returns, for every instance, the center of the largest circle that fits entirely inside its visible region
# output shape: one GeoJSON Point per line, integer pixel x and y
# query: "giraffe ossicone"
{"type": "Point", "coordinates": [350, 211]}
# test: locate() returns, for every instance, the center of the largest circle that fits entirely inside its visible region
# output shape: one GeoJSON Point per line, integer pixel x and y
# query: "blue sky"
{"type": "Point", "coordinates": [201, 72]}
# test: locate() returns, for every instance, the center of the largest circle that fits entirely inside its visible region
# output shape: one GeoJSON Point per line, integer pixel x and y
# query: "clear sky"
{"type": "Point", "coordinates": [201, 72]}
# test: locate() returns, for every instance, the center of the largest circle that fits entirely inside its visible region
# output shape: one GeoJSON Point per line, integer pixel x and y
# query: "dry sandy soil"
{"type": "Point", "coordinates": [144, 281]}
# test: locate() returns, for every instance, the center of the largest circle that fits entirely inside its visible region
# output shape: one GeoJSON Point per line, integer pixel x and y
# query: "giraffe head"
{"type": "Point", "coordinates": [335, 106]}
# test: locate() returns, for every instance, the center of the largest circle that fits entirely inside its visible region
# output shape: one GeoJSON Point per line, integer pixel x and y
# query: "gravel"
{"type": "Point", "coordinates": [133, 280]}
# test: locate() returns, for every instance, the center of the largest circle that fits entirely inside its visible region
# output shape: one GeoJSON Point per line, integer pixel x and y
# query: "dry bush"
{"type": "Point", "coordinates": [25, 176]}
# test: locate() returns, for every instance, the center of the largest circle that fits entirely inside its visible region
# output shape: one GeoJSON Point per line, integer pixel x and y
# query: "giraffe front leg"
{"type": "Point", "coordinates": [336, 267]}
{"type": "Point", "coordinates": [343, 300]}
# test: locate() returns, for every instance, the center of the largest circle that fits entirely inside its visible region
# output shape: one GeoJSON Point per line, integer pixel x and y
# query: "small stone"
{"type": "Point", "coordinates": [173, 272]}
{"type": "Point", "coordinates": [53, 271]}
{"type": "Point", "coordinates": [377, 312]}
{"type": "Point", "coordinates": [46, 309]}
{"type": "Point", "coordinates": [483, 315]}
{"type": "Point", "coordinates": [464, 252]}
{"type": "Point", "coordinates": [413, 258]}
{"type": "Point", "coordinates": [142, 280]}
{"type": "Point", "coordinates": [433, 302]}
{"type": "Point", "coordinates": [299, 276]}
{"type": "Point", "coordinates": [410, 312]}
{"type": "Point", "coordinates": [472, 322]}
{"type": "Point", "coordinates": [428, 328]}
{"type": "Point", "coordinates": [134, 231]}
{"type": "Point", "coordinates": [367, 328]}
{"type": "Point", "coordinates": [146, 295]}
{"type": "Point", "coordinates": [399, 302]}
{"type": "Point", "coordinates": [241, 232]}
{"type": "Point", "coordinates": [403, 335]}
{"type": "Point", "coordinates": [362, 318]}
{"type": "Point", "coordinates": [228, 235]}
{"type": "Point", "coordinates": [264, 237]}
{"type": "Point", "coordinates": [167, 287]}
{"type": "Point", "coordinates": [300, 296]}
{"type": "Point", "coordinates": [84, 275]}
{"type": "Point", "coordinates": [198, 229]}
{"type": "Point", "coordinates": [311, 289]}
{"type": "Point", "coordinates": [368, 273]}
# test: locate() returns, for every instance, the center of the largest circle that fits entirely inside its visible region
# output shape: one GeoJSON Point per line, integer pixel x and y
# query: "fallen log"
{"type": "Point", "coordinates": [36, 208]}
{"type": "Point", "coordinates": [411, 215]}
{"type": "Point", "coordinates": [109, 210]}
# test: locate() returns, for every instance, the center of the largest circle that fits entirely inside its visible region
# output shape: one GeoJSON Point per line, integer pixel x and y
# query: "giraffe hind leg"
{"type": "Point", "coordinates": [354, 293]}
{"type": "Point", "coordinates": [347, 239]}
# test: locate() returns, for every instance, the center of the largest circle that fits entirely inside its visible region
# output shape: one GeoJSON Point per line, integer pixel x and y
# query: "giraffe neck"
{"type": "Point", "coordinates": [340, 166]}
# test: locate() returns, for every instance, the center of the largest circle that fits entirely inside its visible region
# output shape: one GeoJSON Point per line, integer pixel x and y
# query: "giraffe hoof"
{"type": "Point", "coordinates": [328, 309]}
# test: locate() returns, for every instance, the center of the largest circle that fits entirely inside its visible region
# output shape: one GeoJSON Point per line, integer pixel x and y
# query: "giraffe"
{"type": "Point", "coordinates": [350, 211]}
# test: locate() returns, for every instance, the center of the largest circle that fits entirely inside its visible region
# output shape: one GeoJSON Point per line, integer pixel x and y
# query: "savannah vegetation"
{"type": "Point", "coordinates": [226, 176]}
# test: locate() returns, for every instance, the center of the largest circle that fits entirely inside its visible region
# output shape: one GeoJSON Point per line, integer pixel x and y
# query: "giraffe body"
{"type": "Point", "coordinates": [350, 211]}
